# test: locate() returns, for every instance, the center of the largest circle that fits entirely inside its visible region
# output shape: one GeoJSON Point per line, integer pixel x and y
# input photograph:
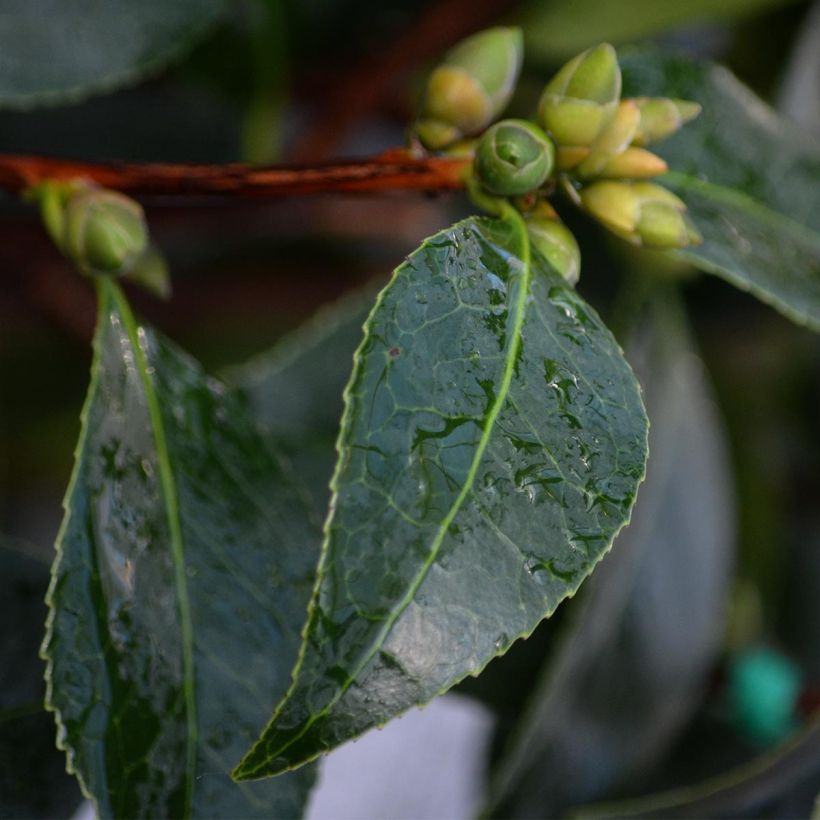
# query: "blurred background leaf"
{"type": "Point", "coordinates": [635, 658]}
{"type": "Point", "coordinates": [62, 50]}
{"type": "Point", "coordinates": [33, 779]}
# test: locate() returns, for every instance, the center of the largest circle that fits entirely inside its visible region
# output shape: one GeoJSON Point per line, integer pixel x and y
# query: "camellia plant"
{"type": "Point", "coordinates": [216, 622]}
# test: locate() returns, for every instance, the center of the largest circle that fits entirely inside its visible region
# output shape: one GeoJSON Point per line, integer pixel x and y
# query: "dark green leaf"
{"type": "Point", "coordinates": [491, 448]}
{"type": "Point", "coordinates": [754, 789]}
{"type": "Point", "coordinates": [57, 51]}
{"type": "Point", "coordinates": [33, 780]}
{"type": "Point", "coordinates": [557, 31]}
{"type": "Point", "coordinates": [751, 181]}
{"type": "Point", "coordinates": [185, 564]}
{"type": "Point", "coordinates": [295, 389]}
{"type": "Point", "coordinates": [633, 663]}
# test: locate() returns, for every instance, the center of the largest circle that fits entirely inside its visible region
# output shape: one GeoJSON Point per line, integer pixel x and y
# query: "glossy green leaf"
{"type": "Point", "coordinates": [750, 180]}
{"type": "Point", "coordinates": [185, 564]}
{"type": "Point", "coordinates": [634, 661]}
{"type": "Point", "coordinates": [557, 31]}
{"type": "Point", "coordinates": [59, 51]}
{"type": "Point", "coordinates": [491, 448]}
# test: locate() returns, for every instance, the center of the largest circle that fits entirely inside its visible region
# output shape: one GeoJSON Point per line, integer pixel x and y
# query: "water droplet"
{"type": "Point", "coordinates": [502, 641]}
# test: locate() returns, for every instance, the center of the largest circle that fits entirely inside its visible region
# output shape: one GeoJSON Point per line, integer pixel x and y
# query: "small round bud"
{"type": "Point", "coordinates": [613, 140]}
{"type": "Point", "coordinates": [105, 231]}
{"type": "Point", "coordinates": [513, 157]}
{"type": "Point", "coordinates": [641, 212]}
{"type": "Point", "coordinates": [471, 87]}
{"type": "Point", "coordinates": [581, 99]}
{"type": "Point", "coordinates": [557, 244]}
{"type": "Point", "coordinates": [435, 135]}
{"type": "Point", "coordinates": [661, 117]}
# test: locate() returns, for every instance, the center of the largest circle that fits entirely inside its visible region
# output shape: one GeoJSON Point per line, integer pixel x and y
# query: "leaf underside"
{"type": "Point", "coordinates": [175, 606]}
{"type": "Point", "coordinates": [750, 179]}
{"type": "Point", "coordinates": [59, 51]}
{"type": "Point", "coordinates": [491, 448]}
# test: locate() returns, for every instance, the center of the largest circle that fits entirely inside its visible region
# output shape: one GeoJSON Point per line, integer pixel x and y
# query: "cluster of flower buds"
{"type": "Point", "coordinates": [102, 232]}
{"type": "Point", "coordinates": [600, 149]}
{"type": "Point", "coordinates": [586, 138]}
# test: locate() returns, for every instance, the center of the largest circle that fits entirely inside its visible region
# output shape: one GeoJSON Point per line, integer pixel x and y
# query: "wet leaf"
{"type": "Point", "coordinates": [491, 448]}
{"type": "Point", "coordinates": [751, 182]}
{"type": "Point", "coordinates": [634, 660]}
{"type": "Point", "coordinates": [185, 563]}
{"type": "Point", "coordinates": [60, 51]}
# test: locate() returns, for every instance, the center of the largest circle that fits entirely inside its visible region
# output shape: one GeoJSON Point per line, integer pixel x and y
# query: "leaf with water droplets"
{"type": "Point", "coordinates": [750, 179]}
{"type": "Point", "coordinates": [184, 567]}
{"type": "Point", "coordinates": [492, 445]}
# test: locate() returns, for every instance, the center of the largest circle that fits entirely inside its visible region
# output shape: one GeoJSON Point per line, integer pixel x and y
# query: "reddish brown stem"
{"type": "Point", "coordinates": [391, 170]}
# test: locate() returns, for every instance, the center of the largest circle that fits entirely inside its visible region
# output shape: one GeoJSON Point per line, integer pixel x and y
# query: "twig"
{"type": "Point", "coordinates": [391, 170]}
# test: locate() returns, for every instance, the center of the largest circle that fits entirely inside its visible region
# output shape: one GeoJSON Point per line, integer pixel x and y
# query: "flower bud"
{"type": "Point", "coordinates": [556, 243]}
{"type": "Point", "coordinates": [640, 212]}
{"type": "Point", "coordinates": [472, 87]}
{"type": "Point", "coordinates": [104, 231]}
{"type": "Point", "coordinates": [613, 140]}
{"type": "Point", "coordinates": [661, 117]}
{"type": "Point", "coordinates": [581, 99]}
{"type": "Point", "coordinates": [513, 157]}
{"type": "Point", "coordinates": [568, 156]}
{"type": "Point", "coordinates": [151, 273]}
{"type": "Point", "coordinates": [633, 163]}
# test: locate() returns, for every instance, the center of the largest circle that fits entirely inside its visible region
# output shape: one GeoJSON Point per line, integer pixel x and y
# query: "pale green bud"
{"type": "Point", "coordinates": [104, 231]}
{"type": "Point", "coordinates": [568, 157]}
{"type": "Point", "coordinates": [581, 99]}
{"type": "Point", "coordinates": [633, 163]}
{"type": "Point", "coordinates": [150, 272]}
{"type": "Point", "coordinates": [471, 87]}
{"type": "Point", "coordinates": [557, 244]}
{"type": "Point", "coordinates": [640, 212]}
{"type": "Point", "coordinates": [513, 158]}
{"type": "Point", "coordinates": [661, 117]}
{"type": "Point", "coordinates": [613, 140]}
{"type": "Point", "coordinates": [435, 135]}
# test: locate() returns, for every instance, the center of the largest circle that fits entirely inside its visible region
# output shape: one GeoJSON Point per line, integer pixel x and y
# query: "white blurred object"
{"type": "Point", "coordinates": [426, 765]}
{"type": "Point", "coordinates": [85, 811]}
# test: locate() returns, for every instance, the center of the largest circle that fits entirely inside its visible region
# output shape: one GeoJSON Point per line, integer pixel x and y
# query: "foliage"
{"type": "Point", "coordinates": [472, 436]}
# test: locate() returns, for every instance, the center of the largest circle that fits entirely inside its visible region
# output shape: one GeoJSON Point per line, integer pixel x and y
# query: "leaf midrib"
{"type": "Point", "coordinates": [108, 289]}
{"type": "Point", "coordinates": [513, 218]}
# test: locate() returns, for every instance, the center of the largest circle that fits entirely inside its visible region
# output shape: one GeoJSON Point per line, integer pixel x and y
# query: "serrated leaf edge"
{"type": "Point", "coordinates": [109, 294]}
